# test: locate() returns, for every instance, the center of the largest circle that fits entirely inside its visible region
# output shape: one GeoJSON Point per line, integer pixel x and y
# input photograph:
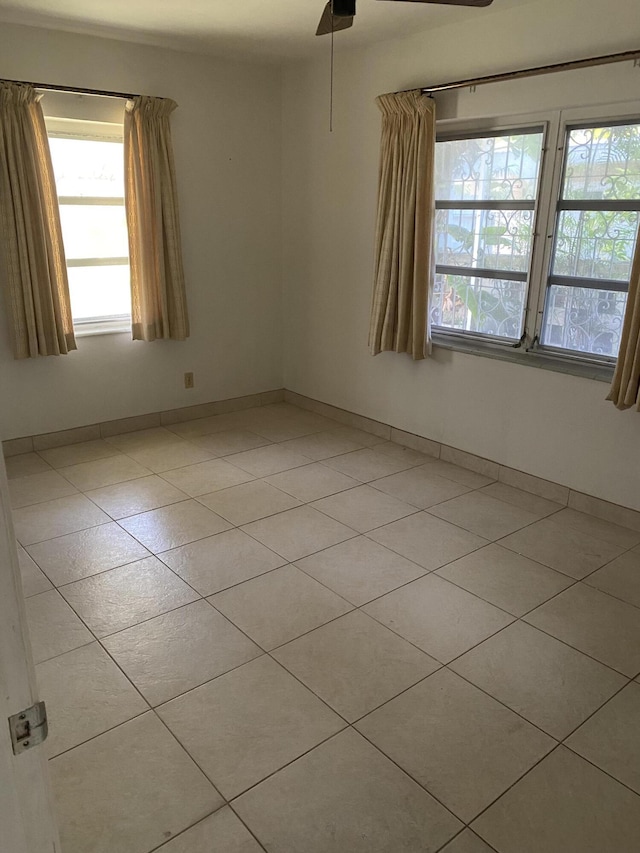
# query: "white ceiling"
{"type": "Point", "coordinates": [277, 29]}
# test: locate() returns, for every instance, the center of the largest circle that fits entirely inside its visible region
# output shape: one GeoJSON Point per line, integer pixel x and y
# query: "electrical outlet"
{"type": "Point", "coordinates": [188, 380]}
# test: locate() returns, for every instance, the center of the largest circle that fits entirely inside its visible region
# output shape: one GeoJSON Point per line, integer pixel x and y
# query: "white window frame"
{"type": "Point", "coordinates": [555, 123]}
{"type": "Point", "coordinates": [99, 132]}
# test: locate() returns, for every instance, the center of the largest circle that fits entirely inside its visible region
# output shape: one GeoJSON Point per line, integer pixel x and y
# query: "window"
{"type": "Point", "coordinates": [88, 163]}
{"type": "Point", "coordinates": [486, 191]}
{"type": "Point", "coordinates": [595, 236]}
{"type": "Point", "coordinates": [499, 195]}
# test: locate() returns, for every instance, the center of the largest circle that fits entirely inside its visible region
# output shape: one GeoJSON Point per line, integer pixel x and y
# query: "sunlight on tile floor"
{"type": "Point", "coordinates": [265, 631]}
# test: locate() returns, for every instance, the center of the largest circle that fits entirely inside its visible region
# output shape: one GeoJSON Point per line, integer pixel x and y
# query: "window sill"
{"type": "Point", "coordinates": [104, 327]}
{"type": "Point", "coordinates": [543, 360]}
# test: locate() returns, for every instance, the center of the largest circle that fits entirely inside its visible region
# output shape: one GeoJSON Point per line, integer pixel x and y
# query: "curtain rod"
{"type": "Point", "coordinates": [532, 72]}
{"type": "Point", "coordinates": [76, 90]}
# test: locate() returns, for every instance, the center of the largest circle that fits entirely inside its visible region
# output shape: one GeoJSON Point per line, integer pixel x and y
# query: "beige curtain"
{"type": "Point", "coordinates": [404, 233]}
{"type": "Point", "coordinates": [625, 389]}
{"type": "Point", "coordinates": [158, 299]}
{"type": "Point", "coordinates": [36, 287]}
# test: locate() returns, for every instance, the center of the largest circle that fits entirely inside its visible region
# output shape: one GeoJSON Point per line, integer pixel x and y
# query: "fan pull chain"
{"type": "Point", "coordinates": [331, 84]}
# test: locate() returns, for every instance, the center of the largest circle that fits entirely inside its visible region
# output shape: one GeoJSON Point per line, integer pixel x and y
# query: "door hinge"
{"type": "Point", "coordinates": [29, 728]}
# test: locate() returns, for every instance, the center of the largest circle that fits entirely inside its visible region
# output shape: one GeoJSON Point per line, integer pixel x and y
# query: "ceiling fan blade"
{"type": "Point", "coordinates": [333, 23]}
{"type": "Point", "coordinates": [451, 2]}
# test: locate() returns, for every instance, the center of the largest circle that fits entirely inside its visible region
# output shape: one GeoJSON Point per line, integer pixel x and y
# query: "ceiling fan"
{"type": "Point", "coordinates": [339, 14]}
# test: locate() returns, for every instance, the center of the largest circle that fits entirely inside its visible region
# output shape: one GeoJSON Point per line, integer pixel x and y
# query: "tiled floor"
{"type": "Point", "coordinates": [264, 631]}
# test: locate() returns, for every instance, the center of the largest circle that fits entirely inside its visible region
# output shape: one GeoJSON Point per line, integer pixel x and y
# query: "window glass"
{"type": "Point", "coordinates": [595, 236]}
{"type": "Point", "coordinates": [486, 194]}
{"type": "Point", "coordinates": [89, 176]}
{"type": "Point", "coordinates": [87, 167]}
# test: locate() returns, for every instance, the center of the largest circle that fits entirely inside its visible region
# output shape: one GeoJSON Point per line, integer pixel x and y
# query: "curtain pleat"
{"type": "Point", "coordinates": [36, 286]}
{"type": "Point", "coordinates": [404, 261]}
{"type": "Point", "coordinates": [158, 297]}
{"type": "Point", "coordinates": [625, 388]}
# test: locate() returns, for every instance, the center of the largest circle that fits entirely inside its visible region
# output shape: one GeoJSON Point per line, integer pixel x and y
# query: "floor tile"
{"type": "Point", "coordinates": [610, 739]}
{"type": "Point", "coordinates": [620, 578]}
{"type": "Point", "coordinates": [24, 465]}
{"type": "Point", "coordinates": [368, 464]}
{"type": "Point", "coordinates": [124, 499]}
{"type": "Point", "coordinates": [121, 597]}
{"type": "Point", "coordinates": [574, 808]}
{"type": "Point", "coordinates": [180, 650]}
{"type": "Point", "coordinates": [53, 626]}
{"type": "Point", "coordinates": [218, 562]}
{"type": "Point", "coordinates": [322, 445]}
{"type": "Point", "coordinates": [312, 482]}
{"type": "Point", "coordinates": [277, 607]}
{"type": "Point", "coordinates": [467, 842]}
{"type": "Point", "coordinates": [175, 525]}
{"type": "Point", "coordinates": [360, 436]}
{"type": "Point", "coordinates": [86, 695]}
{"type": "Point", "coordinates": [596, 624]}
{"type": "Point", "coordinates": [364, 508]}
{"type": "Point", "coordinates": [355, 664]}
{"type": "Point", "coordinates": [206, 426]}
{"type": "Point", "coordinates": [143, 439]}
{"type": "Point", "coordinates": [298, 532]}
{"type": "Point", "coordinates": [33, 579]}
{"type": "Point", "coordinates": [569, 551]}
{"type": "Point", "coordinates": [222, 831]}
{"type": "Point", "coordinates": [460, 744]}
{"type": "Point", "coordinates": [283, 426]}
{"type": "Point", "coordinates": [104, 472]}
{"type": "Point", "coordinates": [459, 475]}
{"type": "Point", "coordinates": [428, 541]}
{"type": "Point", "coordinates": [345, 795]}
{"type": "Point", "coordinates": [249, 502]}
{"type": "Point", "coordinates": [166, 457]}
{"type": "Point", "coordinates": [38, 488]}
{"type": "Point", "coordinates": [56, 518]}
{"type": "Point", "coordinates": [525, 500]}
{"type": "Point", "coordinates": [264, 461]}
{"type": "Point", "coordinates": [129, 789]}
{"type": "Point", "coordinates": [508, 580]}
{"type": "Point", "coordinates": [402, 453]}
{"type": "Point", "coordinates": [249, 723]}
{"type": "Point", "coordinates": [418, 486]}
{"type": "Point", "coordinates": [206, 477]}
{"type": "Point", "coordinates": [231, 441]}
{"type": "Point", "coordinates": [438, 617]}
{"type": "Point", "coordinates": [481, 514]}
{"type": "Point", "coordinates": [74, 454]}
{"type": "Point", "coordinates": [87, 552]}
{"type": "Point", "coordinates": [359, 569]}
{"type": "Point", "coordinates": [593, 526]}
{"type": "Point", "coordinates": [550, 684]}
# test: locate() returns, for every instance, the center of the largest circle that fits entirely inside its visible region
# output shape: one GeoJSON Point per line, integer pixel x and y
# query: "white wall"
{"type": "Point", "coordinates": [548, 424]}
{"type": "Point", "coordinates": [227, 139]}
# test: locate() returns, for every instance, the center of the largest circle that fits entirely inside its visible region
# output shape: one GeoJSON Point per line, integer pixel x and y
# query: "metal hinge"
{"type": "Point", "coordinates": [29, 728]}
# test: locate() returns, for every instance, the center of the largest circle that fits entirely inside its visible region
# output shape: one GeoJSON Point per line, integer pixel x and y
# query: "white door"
{"type": "Point", "coordinates": [27, 823]}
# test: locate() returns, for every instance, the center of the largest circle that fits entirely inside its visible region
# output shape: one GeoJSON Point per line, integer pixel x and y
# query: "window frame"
{"type": "Point", "coordinates": [96, 131]}
{"type": "Point", "coordinates": [556, 122]}
{"type": "Point", "coordinates": [522, 126]}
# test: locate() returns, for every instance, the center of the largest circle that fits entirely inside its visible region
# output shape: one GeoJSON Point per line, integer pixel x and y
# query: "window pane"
{"type": "Point", "coordinates": [603, 163]}
{"type": "Point", "coordinates": [99, 292]}
{"type": "Point", "coordinates": [493, 239]}
{"type": "Point", "coordinates": [482, 305]}
{"type": "Point", "coordinates": [595, 243]}
{"type": "Point", "coordinates": [584, 320]}
{"type": "Point", "coordinates": [94, 231]}
{"type": "Point", "coordinates": [493, 168]}
{"type": "Point", "coordinates": [84, 167]}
